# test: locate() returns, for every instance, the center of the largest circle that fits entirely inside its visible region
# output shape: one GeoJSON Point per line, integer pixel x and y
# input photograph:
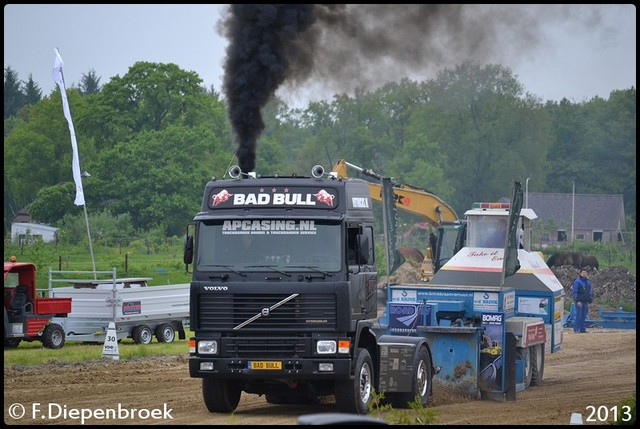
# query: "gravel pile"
{"type": "Point", "coordinates": [611, 284]}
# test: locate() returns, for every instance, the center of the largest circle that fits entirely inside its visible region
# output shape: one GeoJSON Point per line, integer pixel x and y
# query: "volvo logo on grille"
{"type": "Point", "coordinates": [265, 311]}
{"type": "Point", "coordinates": [216, 288]}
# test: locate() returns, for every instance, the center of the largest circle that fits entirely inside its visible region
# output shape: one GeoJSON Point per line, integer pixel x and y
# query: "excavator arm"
{"type": "Point", "coordinates": [418, 201]}
{"type": "Point", "coordinates": [408, 198]}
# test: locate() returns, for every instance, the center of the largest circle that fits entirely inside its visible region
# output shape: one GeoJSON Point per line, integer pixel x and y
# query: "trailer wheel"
{"type": "Point", "coordinates": [220, 396]}
{"type": "Point", "coordinates": [53, 336]}
{"type": "Point", "coordinates": [142, 334]}
{"type": "Point", "coordinates": [165, 333]}
{"type": "Point", "coordinates": [524, 354]}
{"type": "Point", "coordinates": [355, 396]}
{"type": "Point", "coordinates": [537, 364]}
{"type": "Point", "coordinates": [420, 386]}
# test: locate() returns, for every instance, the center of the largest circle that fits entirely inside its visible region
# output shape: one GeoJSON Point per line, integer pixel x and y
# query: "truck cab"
{"type": "Point", "coordinates": [283, 299]}
{"type": "Point", "coordinates": [28, 316]}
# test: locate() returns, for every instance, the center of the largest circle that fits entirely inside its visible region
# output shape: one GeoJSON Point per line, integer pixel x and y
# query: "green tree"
{"type": "Point", "coordinates": [150, 97]}
{"type": "Point", "coordinates": [160, 176]}
{"type": "Point", "coordinates": [565, 159]}
{"type": "Point", "coordinates": [611, 126]}
{"type": "Point", "coordinates": [32, 91]}
{"type": "Point", "coordinates": [53, 202]}
{"type": "Point", "coordinates": [89, 83]}
{"type": "Point", "coordinates": [13, 96]}
{"type": "Point", "coordinates": [489, 131]}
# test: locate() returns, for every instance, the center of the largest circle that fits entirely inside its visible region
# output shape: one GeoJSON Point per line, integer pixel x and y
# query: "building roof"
{"type": "Point", "coordinates": [22, 216]}
{"type": "Point", "coordinates": [35, 226]}
{"type": "Point", "coordinates": [590, 211]}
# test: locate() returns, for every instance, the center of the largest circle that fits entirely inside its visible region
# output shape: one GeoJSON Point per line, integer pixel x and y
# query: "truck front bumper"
{"type": "Point", "coordinates": [309, 368]}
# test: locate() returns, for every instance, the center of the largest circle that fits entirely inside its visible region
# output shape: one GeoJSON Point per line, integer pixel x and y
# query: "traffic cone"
{"type": "Point", "coordinates": [110, 348]}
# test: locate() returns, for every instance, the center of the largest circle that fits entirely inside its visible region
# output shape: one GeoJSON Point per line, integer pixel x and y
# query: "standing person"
{"type": "Point", "coordinates": [583, 296]}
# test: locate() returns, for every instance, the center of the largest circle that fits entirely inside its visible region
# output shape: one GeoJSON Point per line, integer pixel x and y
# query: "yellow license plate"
{"type": "Point", "coordinates": [265, 365]}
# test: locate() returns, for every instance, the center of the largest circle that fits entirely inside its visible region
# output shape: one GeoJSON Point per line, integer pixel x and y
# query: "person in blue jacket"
{"type": "Point", "coordinates": [583, 296]}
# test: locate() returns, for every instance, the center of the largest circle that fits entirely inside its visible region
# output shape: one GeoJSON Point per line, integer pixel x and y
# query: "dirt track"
{"type": "Point", "coordinates": [596, 369]}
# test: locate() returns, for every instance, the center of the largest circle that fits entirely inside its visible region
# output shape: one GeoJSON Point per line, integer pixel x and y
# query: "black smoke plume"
{"type": "Point", "coordinates": [263, 45]}
{"type": "Point", "coordinates": [338, 48]}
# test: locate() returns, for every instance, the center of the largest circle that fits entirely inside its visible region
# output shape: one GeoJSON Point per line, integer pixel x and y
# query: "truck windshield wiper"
{"type": "Point", "coordinates": [312, 268]}
{"type": "Point", "coordinates": [230, 269]}
{"type": "Point", "coordinates": [271, 267]}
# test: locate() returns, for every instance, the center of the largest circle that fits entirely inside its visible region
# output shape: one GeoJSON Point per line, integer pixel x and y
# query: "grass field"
{"type": "Point", "coordinates": [33, 353]}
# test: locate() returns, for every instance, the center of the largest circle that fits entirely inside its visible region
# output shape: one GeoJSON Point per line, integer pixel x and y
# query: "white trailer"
{"type": "Point", "coordinates": [138, 310]}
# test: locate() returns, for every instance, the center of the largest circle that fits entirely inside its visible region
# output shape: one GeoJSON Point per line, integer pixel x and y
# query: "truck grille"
{"type": "Point", "coordinates": [304, 313]}
{"type": "Point", "coordinates": [270, 347]}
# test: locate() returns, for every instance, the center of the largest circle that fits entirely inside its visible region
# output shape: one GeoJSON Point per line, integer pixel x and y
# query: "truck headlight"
{"type": "Point", "coordinates": [325, 347]}
{"type": "Point", "coordinates": [208, 347]}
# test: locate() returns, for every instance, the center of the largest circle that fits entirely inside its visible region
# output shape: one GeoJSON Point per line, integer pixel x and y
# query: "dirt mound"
{"type": "Point", "coordinates": [611, 284]}
{"type": "Point", "coordinates": [409, 272]}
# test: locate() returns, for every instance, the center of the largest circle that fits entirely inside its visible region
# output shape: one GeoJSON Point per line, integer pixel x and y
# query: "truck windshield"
{"type": "Point", "coordinates": [268, 244]}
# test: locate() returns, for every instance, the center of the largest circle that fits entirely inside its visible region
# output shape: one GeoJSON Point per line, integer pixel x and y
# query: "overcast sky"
{"type": "Point", "coordinates": [576, 52]}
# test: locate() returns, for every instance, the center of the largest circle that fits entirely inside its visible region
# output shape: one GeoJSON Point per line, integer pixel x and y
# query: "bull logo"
{"type": "Point", "coordinates": [325, 197]}
{"type": "Point", "coordinates": [221, 197]}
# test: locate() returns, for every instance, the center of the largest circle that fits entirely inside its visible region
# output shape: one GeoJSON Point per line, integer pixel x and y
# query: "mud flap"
{"type": "Point", "coordinates": [510, 367]}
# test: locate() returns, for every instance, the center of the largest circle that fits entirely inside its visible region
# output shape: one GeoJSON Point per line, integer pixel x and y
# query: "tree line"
{"type": "Point", "coordinates": [152, 138]}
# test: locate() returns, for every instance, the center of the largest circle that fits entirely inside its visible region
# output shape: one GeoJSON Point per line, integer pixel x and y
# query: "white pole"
{"type": "Point", "coordinates": [93, 262]}
{"type": "Point", "coordinates": [526, 193]}
{"type": "Point", "coordinates": [573, 207]}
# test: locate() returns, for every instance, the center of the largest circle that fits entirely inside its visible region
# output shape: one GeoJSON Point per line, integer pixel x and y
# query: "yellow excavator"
{"type": "Point", "coordinates": [437, 213]}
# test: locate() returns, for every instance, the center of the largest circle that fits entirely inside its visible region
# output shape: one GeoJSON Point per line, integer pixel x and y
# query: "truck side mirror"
{"type": "Point", "coordinates": [188, 250]}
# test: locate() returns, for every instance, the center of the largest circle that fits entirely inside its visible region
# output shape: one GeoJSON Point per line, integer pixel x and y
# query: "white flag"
{"type": "Point", "coordinates": [57, 77]}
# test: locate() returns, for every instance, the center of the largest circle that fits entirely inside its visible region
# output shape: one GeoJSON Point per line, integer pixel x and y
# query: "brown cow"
{"type": "Point", "coordinates": [590, 261]}
{"type": "Point", "coordinates": [576, 260]}
{"type": "Point", "coordinates": [557, 260]}
{"type": "Point", "coordinates": [560, 259]}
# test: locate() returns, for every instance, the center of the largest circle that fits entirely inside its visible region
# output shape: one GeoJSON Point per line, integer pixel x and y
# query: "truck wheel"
{"type": "Point", "coordinates": [165, 333]}
{"type": "Point", "coordinates": [276, 399]}
{"type": "Point", "coordinates": [355, 396]}
{"type": "Point", "coordinates": [221, 396]}
{"type": "Point", "coordinates": [537, 364]}
{"type": "Point", "coordinates": [524, 354]}
{"type": "Point", "coordinates": [11, 343]}
{"type": "Point", "coordinates": [53, 336]}
{"type": "Point", "coordinates": [420, 386]}
{"type": "Point", "coordinates": [142, 334]}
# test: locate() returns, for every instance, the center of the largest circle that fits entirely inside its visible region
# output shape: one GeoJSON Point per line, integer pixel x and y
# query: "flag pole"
{"type": "Point", "coordinates": [93, 262]}
{"type": "Point", "coordinates": [77, 177]}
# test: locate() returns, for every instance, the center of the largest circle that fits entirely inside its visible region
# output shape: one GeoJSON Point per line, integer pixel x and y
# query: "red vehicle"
{"type": "Point", "coordinates": [27, 316]}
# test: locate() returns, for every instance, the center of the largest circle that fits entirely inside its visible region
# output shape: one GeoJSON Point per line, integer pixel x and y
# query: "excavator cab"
{"type": "Point", "coordinates": [449, 240]}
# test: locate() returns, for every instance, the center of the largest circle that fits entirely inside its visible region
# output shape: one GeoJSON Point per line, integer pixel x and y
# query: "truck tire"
{"type": "Point", "coordinates": [537, 364]}
{"type": "Point", "coordinates": [53, 336]}
{"type": "Point", "coordinates": [221, 396]}
{"type": "Point", "coordinates": [142, 334]}
{"type": "Point", "coordinates": [420, 386]}
{"type": "Point", "coordinates": [355, 396]}
{"type": "Point", "coordinates": [11, 343]}
{"type": "Point", "coordinates": [165, 333]}
{"type": "Point", "coordinates": [524, 354]}
{"type": "Point", "coordinates": [277, 399]}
